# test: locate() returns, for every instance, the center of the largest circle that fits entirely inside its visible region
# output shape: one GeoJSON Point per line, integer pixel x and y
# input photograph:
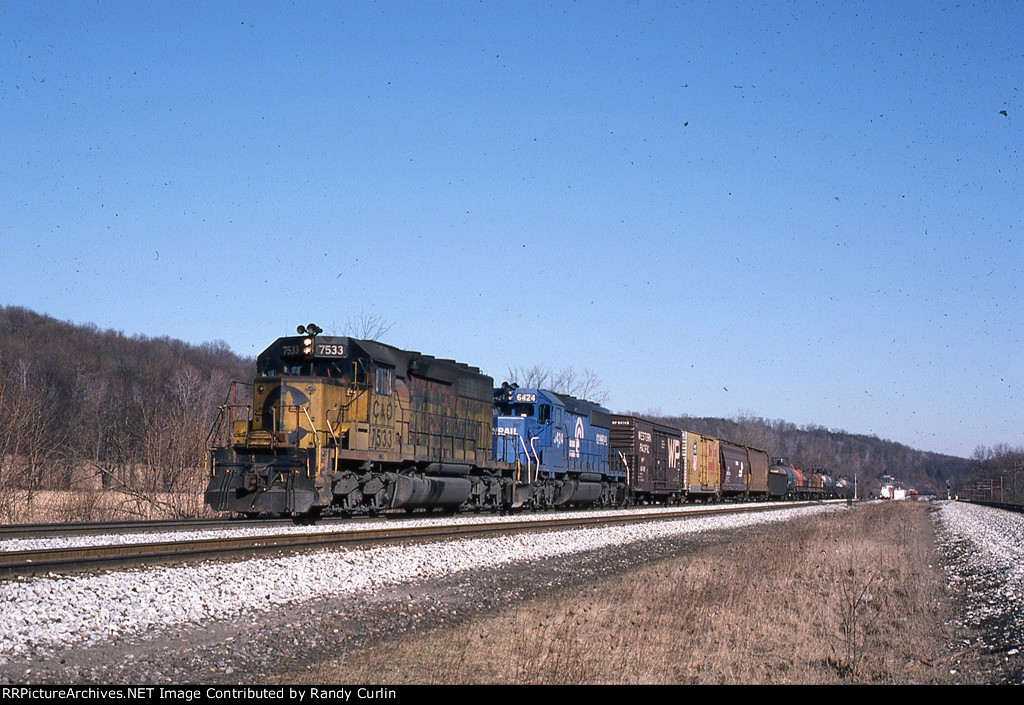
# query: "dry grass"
{"type": "Point", "coordinates": [42, 506]}
{"type": "Point", "coordinates": [852, 597]}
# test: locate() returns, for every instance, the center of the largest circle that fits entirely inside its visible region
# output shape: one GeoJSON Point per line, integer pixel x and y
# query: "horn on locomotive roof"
{"type": "Point", "coordinates": [310, 329]}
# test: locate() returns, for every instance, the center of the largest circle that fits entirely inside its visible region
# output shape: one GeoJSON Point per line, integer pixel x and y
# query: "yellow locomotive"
{"type": "Point", "coordinates": [358, 425]}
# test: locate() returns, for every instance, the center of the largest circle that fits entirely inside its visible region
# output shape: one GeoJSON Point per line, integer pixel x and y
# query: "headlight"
{"type": "Point", "coordinates": [307, 346]}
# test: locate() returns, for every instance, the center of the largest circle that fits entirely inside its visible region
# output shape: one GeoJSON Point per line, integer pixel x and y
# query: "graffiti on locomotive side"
{"type": "Point", "coordinates": [382, 432]}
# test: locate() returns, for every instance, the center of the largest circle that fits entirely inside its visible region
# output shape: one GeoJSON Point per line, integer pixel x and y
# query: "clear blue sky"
{"type": "Point", "coordinates": [805, 211]}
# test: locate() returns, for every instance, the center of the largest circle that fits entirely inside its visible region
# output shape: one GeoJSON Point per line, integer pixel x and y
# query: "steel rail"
{"type": "Point", "coordinates": [86, 528]}
{"type": "Point", "coordinates": [95, 558]}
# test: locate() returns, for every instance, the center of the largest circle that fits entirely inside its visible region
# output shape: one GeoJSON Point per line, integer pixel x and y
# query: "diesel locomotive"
{"type": "Point", "coordinates": [359, 426]}
{"type": "Point", "coordinates": [356, 426]}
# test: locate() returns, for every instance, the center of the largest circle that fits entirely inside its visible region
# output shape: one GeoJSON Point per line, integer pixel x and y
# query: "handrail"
{"type": "Point", "coordinates": [625, 464]}
{"type": "Point", "coordinates": [529, 462]}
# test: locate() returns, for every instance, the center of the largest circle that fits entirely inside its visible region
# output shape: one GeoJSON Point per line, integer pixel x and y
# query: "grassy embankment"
{"type": "Point", "coordinates": [851, 597]}
{"type": "Point", "coordinates": [49, 506]}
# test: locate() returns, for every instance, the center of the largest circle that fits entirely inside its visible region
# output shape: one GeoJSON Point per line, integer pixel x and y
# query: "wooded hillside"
{"type": "Point", "coordinates": [88, 409]}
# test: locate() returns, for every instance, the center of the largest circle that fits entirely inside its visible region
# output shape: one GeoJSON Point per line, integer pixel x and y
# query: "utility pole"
{"type": "Point", "coordinates": [1016, 469]}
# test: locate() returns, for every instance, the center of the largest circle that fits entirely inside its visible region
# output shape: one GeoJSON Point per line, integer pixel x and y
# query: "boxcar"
{"type": "Point", "coordinates": [702, 466]}
{"type": "Point", "coordinates": [735, 468]}
{"type": "Point", "coordinates": [649, 454]}
{"type": "Point", "coordinates": [757, 478]}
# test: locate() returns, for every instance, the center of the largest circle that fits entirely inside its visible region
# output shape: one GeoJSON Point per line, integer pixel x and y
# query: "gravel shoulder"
{"type": "Point", "coordinates": [983, 550]}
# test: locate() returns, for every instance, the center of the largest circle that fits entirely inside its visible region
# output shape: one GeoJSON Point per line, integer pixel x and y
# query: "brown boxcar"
{"type": "Point", "coordinates": [650, 454]}
{"type": "Point", "coordinates": [757, 479]}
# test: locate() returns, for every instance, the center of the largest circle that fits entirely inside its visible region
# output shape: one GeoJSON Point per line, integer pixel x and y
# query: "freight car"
{"type": "Point", "coordinates": [807, 484]}
{"type": "Point", "coordinates": [702, 467]}
{"type": "Point", "coordinates": [649, 456]}
{"type": "Point", "coordinates": [357, 426]}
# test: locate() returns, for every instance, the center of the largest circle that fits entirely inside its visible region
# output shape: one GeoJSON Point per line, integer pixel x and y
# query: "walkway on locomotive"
{"type": "Point", "coordinates": [549, 435]}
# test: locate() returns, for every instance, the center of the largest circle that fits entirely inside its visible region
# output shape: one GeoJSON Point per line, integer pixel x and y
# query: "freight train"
{"type": "Point", "coordinates": [343, 425]}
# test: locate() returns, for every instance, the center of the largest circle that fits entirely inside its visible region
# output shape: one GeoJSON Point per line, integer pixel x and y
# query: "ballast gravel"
{"type": "Point", "coordinates": [216, 621]}
{"type": "Point", "coordinates": [243, 530]}
{"type": "Point", "coordinates": [983, 550]}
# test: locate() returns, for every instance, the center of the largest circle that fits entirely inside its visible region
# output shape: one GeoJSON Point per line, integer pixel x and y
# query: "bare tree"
{"type": "Point", "coordinates": [997, 473]}
{"type": "Point", "coordinates": [591, 387]}
{"type": "Point", "coordinates": [366, 326]}
{"type": "Point", "coordinates": [565, 381]}
{"type": "Point", "coordinates": [83, 410]}
{"type": "Point", "coordinates": [34, 435]}
{"type": "Point", "coordinates": [535, 377]}
{"type": "Point", "coordinates": [752, 431]}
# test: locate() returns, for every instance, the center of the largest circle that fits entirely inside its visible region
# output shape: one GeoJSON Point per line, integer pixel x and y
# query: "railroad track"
{"type": "Point", "coordinates": [36, 531]}
{"type": "Point", "coordinates": [107, 557]}
{"type": "Point", "coordinates": [1007, 506]}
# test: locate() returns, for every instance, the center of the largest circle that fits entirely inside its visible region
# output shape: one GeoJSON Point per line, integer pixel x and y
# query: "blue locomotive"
{"type": "Point", "coordinates": [558, 445]}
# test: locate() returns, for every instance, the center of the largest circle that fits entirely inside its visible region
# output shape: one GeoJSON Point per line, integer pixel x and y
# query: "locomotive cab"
{"type": "Point", "coordinates": [311, 394]}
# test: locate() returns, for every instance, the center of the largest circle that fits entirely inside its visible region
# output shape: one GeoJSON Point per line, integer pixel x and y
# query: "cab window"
{"type": "Point", "coordinates": [385, 380]}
